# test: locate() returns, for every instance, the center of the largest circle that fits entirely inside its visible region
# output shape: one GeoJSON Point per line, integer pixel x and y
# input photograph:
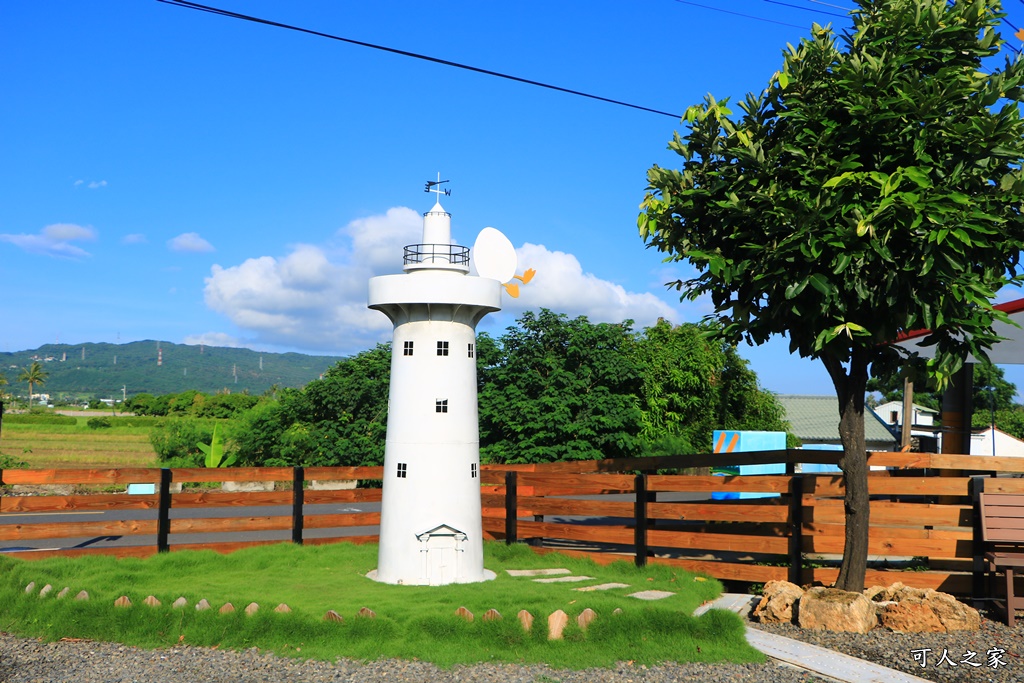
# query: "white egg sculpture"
{"type": "Point", "coordinates": [494, 256]}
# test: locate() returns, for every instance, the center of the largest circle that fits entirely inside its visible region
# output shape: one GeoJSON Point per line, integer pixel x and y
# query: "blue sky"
{"type": "Point", "coordinates": [174, 175]}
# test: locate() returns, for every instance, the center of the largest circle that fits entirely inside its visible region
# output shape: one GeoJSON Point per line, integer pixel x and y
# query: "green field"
{"type": "Point", "coordinates": [46, 446]}
{"type": "Point", "coordinates": [411, 621]}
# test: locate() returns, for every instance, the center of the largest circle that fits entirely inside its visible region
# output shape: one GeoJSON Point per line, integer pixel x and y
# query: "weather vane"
{"type": "Point", "coordinates": [435, 187]}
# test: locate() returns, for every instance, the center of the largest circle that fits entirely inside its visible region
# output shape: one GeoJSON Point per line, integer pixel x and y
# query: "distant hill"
{"type": "Point", "coordinates": [100, 370]}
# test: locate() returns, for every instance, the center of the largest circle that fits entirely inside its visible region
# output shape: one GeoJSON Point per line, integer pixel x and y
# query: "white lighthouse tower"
{"type": "Point", "coordinates": [430, 530]}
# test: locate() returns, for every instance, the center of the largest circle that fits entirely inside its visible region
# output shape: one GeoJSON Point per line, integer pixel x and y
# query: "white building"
{"type": "Point", "coordinates": [430, 530]}
{"type": "Point", "coordinates": [922, 424]}
{"type": "Point", "coordinates": [995, 442]}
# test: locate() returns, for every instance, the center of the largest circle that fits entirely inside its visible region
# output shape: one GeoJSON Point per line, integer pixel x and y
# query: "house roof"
{"type": "Point", "coordinates": [1010, 351]}
{"type": "Point", "coordinates": [816, 418]}
{"type": "Point", "coordinates": [898, 405]}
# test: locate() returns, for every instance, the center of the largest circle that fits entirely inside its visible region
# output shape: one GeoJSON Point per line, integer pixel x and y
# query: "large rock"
{"type": "Point", "coordinates": [778, 602]}
{"type": "Point", "coordinates": [832, 609]}
{"type": "Point", "coordinates": [910, 615]}
{"type": "Point", "coordinates": [954, 615]}
{"type": "Point", "coordinates": [916, 610]}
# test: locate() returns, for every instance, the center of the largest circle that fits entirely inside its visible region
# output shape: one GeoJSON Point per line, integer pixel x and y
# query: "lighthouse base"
{"type": "Point", "coordinates": [487, 575]}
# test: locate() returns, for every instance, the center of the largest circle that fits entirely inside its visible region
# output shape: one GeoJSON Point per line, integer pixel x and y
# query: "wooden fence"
{"type": "Point", "coordinates": [156, 526]}
{"type": "Point", "coordinates": [922, 515]}
{"type": "Point", "coordinates": [921, 507]}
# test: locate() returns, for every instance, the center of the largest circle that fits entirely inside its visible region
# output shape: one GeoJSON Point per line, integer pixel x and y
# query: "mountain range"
{"type": "Point", "coordinates": [102, 370]}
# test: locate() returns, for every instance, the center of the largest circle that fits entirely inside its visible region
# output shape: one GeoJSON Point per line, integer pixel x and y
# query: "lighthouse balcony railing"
{"type": "Point", "coordinates": [452, 254]}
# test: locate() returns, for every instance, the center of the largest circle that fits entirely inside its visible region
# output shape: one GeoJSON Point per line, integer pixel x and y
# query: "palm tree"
{"type": "Point", "coordinates": [33, 374]}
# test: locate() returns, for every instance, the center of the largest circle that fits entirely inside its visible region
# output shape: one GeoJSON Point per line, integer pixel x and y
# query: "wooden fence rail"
{"type": "Point", "coordinates": [156, 532]}
{"type": "Point", "coordinates": [636, 509]}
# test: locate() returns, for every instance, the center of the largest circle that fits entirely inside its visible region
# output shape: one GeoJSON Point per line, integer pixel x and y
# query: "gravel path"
{"type": "Point", "coordinates": [897, 651]}
{"type": "Point", "coordinates": [30, 661]}
{"type": "Point", "coordinates": [24, 660]}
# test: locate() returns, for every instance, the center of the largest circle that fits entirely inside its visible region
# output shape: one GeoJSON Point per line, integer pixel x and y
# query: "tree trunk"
{"type": "Point", "coordinates": [850, 387]}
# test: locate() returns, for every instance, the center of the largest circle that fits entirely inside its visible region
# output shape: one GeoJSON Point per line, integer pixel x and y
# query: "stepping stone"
{"type": "Point", "coordinates": [82, 595]}
{"type": "Point", "coordinates": [585, 617]}
{"type": "Point", "coordinates": [202, 605]}
{"type": "Point", "coordinates": [228, 608]}
{"type": "Point", "coordinates": [652, 595]}
{"type": "Point", "coordinates": [46, 591]}
{"type": "Point", "coordinates": [251, 609]}
{"type": "Point", "coordinates": [537, 572]}
{"type": "Point", "coordinates": [492, 615]}
{"type": "Point", "coordinates": [602, 587]}
{"type": "Point", "coordinates": [366, 612]}
{"type": "Point", "coordinates": [617, 611]}
{"type": "Point", "coordinates": [30, 587]}
{"type": "Point", "coordinates": [151, 601]}
{"type": "Point", "coordinates": [282, 608]}
{"type": "Point", "coordinates": [333, 616]}
{"type": "Point", "coordinates": [180, 602]}
{"type": "Point", "coordinates": [464, 613]}
{"type": "Point", "coordinates": [64, 591]}
{"type": "Point", "coordinates": [526, 619]}
{"type": "Point", "coordinates": [556, 624]}
{"type": "Point", "coordinates": [565, 579]}
{"type": "Point", "coordinates": [123, 601]}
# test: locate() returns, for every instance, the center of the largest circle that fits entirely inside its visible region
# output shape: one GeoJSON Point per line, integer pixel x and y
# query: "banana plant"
{"type": "Point", "coordinates": [215, 452]}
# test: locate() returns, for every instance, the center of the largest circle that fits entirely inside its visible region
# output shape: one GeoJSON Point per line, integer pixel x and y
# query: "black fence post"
{"type": "Point", "coordinates": [163, 517]}
{"type": "Point", "coordinates": [796, 529]}
{"type": "Point", "coordinates": [511, 508]}
{"type": "Point", "coordinates": [977, 486]}
{"type": "Point", "coordinates": [640, 515]}
{"type": "Point", "coordinates": [298, 497]}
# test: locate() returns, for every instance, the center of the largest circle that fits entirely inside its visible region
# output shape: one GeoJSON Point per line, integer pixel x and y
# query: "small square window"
{"type": "Point", "coordinates": [441, 405]}
{"type": "Point", "coordinates": [470, 350]}
{"type": "Point", "coordinates": [472, 470]}
{"type": "Point", "coordinates": [402, 470]}
{"type": "Point", "coordinates": [407, 349]}
{"type": "Point", "coordinates": [442, 348]}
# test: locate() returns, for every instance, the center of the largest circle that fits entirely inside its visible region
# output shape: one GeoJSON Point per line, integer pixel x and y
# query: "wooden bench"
{"type": "Point", "coordinates": [1002, 531]}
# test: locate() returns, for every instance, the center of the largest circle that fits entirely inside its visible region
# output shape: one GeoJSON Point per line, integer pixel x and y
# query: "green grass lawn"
{"type": "Point", "coordinates": [413, 622]}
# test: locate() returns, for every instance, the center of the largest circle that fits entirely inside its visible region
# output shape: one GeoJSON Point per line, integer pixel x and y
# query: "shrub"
{"type": "Point", "coordinates": [178, 439]}
{"type": "Point", "coordinates": [98, 423]}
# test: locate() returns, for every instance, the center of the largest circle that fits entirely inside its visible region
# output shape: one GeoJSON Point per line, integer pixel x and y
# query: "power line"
{"type": "Point", "coordinates": [245, 17]}
{"type": "Point", "coordinates": [738, 14]}
{"type": "Point", "coordinates": [828, 4]}
{"type": "Point", "coordinates": [809, 9]}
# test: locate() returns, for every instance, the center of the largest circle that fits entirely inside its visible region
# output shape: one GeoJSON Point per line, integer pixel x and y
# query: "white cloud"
{"type": "Point", "coordinates": [134, 238]}
{"type": "Point", "coordinates": [54, 240]}
{"type": "Point", "coordinates": [561, 285]}
{"type": "Point", "coordinates": [313, 298]}
{"type": "Point", "coordinates": [92, 184]}
{"type": "Point", "coordinates": [215, 339]}
{"type": "Point", "coordinates": [64, 232]}
{"type": "Point", "coordinates": [189, 242]}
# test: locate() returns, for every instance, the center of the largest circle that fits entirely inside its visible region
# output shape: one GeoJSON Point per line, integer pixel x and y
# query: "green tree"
{"type": "Point", "coordinates": [338, 420]}
{"type": "Point", "coordinates": [694, 384]}
{"type": "Point", "coordinates": [991, 389]}
{"type": "Point", "coordinates": [33, 374]}
{"type": "Point", "coordinates": [870, 189]}
{"type": "Point", "coordinates": [559, 389]}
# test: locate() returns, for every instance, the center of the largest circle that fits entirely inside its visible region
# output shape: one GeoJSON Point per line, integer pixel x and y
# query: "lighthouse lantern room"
{"type": "Point", "coordinates": [430, 529]}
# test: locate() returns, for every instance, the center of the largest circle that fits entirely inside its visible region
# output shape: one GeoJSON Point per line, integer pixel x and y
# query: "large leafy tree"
{"type": "Point", "coordinates": [338, 420]}
{"type": "Point", "coordinates": [991, 391]}
{"type": "Point", "coordinates": [872, 188]}
{"type": "Point", "coordinates": [559, 389]}
{"type": "Point", "coordinates": [34, 375]}
{"type": "Point", "coordinates": [692, 385]}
